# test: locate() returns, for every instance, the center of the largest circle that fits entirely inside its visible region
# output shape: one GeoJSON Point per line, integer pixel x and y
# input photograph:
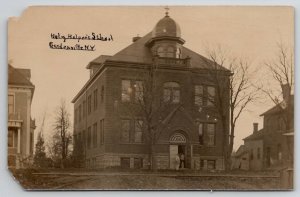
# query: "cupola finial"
{"type": "Point", "coordinates": [167, 10]}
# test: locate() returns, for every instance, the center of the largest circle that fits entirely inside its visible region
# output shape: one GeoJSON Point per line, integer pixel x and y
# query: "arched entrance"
{"type": "Point", "coordinates": [177, 146]}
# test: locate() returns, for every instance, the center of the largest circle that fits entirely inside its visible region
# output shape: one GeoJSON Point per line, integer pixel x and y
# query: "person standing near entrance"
{"type": "Point", "coordinates": [177, 162]}
{"type": "Point", "coordinates": [181, 160]}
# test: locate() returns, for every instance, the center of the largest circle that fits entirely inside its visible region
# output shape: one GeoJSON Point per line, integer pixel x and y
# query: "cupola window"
{"type": "Point", "coordinates": [178, 53]}
{"type": "Point", "coordinates": [170, 52]}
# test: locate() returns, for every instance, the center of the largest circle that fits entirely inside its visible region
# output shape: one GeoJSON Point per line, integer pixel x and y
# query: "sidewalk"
{"type": "Point", "coordinates": [162, 174]}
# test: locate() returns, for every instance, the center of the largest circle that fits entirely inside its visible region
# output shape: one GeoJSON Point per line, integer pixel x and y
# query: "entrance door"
{"type": "Point", "coordinates": [173, 153]}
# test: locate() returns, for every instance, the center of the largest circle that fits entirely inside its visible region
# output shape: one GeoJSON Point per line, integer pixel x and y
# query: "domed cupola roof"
{"type": "Point", "coordinates": [166, 27]}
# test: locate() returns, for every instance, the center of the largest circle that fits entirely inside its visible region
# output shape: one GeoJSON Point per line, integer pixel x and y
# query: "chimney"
{"type": "Point", "coordinates": [286, 91]}
{"type": "Point", "coordinates": [255, 127]}
{"type": "Point", "coordinates": [136, 38]}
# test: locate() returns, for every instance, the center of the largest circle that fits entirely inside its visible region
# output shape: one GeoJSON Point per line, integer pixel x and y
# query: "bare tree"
{"type": "Point", "coordinates": [62, 137]}
{"type": "Point", "coordinates": [281, 69]}
{"type": "Point", "coordinates": [238, 89]}
{"type": "Point", "coordinates": [148, 106]}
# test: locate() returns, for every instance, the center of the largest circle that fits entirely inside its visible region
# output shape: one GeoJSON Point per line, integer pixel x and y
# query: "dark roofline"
{"type": "Point", "coordinates": [273, 109]}
{"type": "Point", "coordinates": [24, 78]}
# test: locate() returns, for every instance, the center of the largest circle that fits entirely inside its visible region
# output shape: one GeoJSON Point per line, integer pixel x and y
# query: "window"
{"type": "Point", "coordinates": [160, 51]}
{"type": "Point", "coordinates": [125, 127]}
{"type": "Point", "coordinates": [89, 104]}
{"type": "Point", "coordinates": [89, 138]}
{"type": "Point", "coordinates": [79, 144]}
{"type": "Point", "coordinates": [178, 53]}
{"type": "Point", "coordinates": [84, 138]}
{"type": "Point", "coordinates": [10, 138]}
{"type": "Point", "coordinates": [167, 52]}
{"type": "Point", "coordinates": [170, 52]}
{"type": "Point", "coordinates": [171, 92]}
{"type": "Point", "coordinates": [138, 87]}
{"type": "Point", "coordinates": [251, 154]}
{"type": "Point", "coordinates": [95, 99]}
{"type": "Point", "coordinates": [201, 164]}
{"type": "Point", "coordinates": [84, 109]}
{"type": "Point", "coordinates": [95, 135]}
{"type": "Point", "coordinates": [79, 113]}
{"type": "Point", "coordinates": [125, 162]}
{"type": "Point", "coordinates": [11, 104]}
{"type": "Point", "coordinates": [211, 134]}
{"type": "Point", "coordinates": [138, 131]}
{"type": "Point", "coordinates": [76, 115]}
{"type": "Point", "coordinates": [102, 94]}
{"type": "Point", "coordinates": [101, 131]}
{"type": "Point", "coordinates": [138, 163]}
{"type": "Point", "coordinates": [211, 92]}
{"type": "Point", "coordinates": [199, 95]}
{"type": "Point", "coordinates": [126, 90]}
{"type": "Point", "coordinates": [200, 133]}
{"type": "Point", "coordinates": [258, 153]}
{"type": "Point", "coordinates": [211, 164]}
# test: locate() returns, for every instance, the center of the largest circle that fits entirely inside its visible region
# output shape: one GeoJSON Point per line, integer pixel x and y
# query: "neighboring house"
{"type": "Point", "coordinates": [240, 159]}
{"type": "Point", "coordinates": [273, 145]}
{"type": "Point", "coordinates": [106, 135]}
{"type": "Point", "coordinates": [20, 125]}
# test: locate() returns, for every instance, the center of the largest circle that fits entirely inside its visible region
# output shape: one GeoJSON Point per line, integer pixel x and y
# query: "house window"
{"type": "Point", "coordinates": [138, 131]}
{"type": "Point", "coordinates": [251, 154]}
{"type": "Point", "coordinates": [126, 90]}
{"type": "Point", "coordinates": [102, 94]}
{"type": "Point", "coordinates": [10, 138]}
{"type": "Point", "coordinates": [125, 128]}
{"type": "Point", "coordinates": [171, 92]}
{"type": "Point", "coordinates": [84, 139]}
{"type": "Point", "coordinates": [89, 104]}
{"type": "Point", "coordinates": [199, 95]}
{"type": "Point", "coordinates": [138, 163]}
{"type": "Point", "coordinates": [258, 153]}
{"type": "Point", "coordinates": [200, 133]}
{"type": "Point", "coordinates": [211, 129]}
{"type": "Point", "coordinates": [76, 115]}
{"type": "Point", "coordinates": [211, 164]}
{"type": "Point", "coordinates": [89, 138]}
{"type": "Point", "coordinates": [11, 104]}
{"type": "Point", "coordinates": [101, 131]}
{"type": "Point", "coordinates": [211, 92]}
{"type": "Point", "coordinates": [79, 113]}
{"type": "Point", "coordinates": [84, 109]}
{"type": "Point", "coordinates": [95, 99]}
{"type": "Point", "coordinates": [138, 87]}
{"type": "Point", "coordinates": [95, 135]}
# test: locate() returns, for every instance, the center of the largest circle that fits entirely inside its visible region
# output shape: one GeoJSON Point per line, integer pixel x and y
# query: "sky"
{"type": "Point", "coordinates": [248, 32]}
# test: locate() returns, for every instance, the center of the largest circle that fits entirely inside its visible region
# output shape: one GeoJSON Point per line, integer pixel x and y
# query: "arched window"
{"type": "Point", "coordinates": [160, 51]}
{"type": "Point", "coordinates": [170, 52]}
{"type": "Point", "coordinates": [171, 92]}
{"type": "Point", "coordinates": [178, 53]}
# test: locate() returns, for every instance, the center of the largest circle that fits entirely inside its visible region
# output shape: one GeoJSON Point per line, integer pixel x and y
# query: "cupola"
{"type": "Point", "coordinates": [166, 38]}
